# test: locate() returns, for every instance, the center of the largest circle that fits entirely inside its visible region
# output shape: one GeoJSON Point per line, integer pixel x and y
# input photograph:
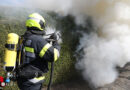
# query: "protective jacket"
{"type": "Point", "coordinates": [37, 53]}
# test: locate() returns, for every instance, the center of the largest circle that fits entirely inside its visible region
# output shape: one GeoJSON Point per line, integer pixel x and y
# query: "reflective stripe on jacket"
{"type": "Point", "coordinates": [38, 52]}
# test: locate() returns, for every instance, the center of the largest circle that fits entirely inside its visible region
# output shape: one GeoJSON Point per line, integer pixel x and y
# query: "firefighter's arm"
{"type": "Point", "coordinates": [56, 47]}
{"type": "Point", "coordinates": [47, 51]}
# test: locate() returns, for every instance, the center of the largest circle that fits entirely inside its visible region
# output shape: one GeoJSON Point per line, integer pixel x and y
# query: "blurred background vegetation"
{"type": "Point", "coordinates": [13, 21]}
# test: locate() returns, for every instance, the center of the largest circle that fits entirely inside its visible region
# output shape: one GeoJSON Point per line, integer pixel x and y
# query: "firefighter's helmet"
{"type": "Point", "coordinates": [35, 21]}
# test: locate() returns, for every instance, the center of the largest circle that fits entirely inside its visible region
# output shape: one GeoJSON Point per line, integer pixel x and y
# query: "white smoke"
{"type": "Point", "coordinates": [108, 47]}
{"type": "Point", "coordinates": [104, 49]}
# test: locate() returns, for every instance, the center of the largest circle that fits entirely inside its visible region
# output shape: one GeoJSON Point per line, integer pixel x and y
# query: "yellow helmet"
{"type": "Point", "coordinates": [35, 21]}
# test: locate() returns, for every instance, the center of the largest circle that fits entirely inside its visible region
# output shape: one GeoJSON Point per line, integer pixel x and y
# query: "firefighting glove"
{"type": "Point", "coordinates": [54, 37]}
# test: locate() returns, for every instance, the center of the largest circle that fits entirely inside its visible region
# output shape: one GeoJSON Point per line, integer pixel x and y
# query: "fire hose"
{"type": "Point", "coordinates": [52, 63]}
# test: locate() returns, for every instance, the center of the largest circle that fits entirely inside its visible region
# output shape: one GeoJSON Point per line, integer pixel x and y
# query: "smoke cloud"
{"type": "Point", "coordinates": [108, 47]}
{"type": "Point", "coordinates": [105, 48]}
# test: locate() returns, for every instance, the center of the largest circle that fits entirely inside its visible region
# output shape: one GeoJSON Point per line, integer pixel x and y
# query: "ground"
{"type": "Point", "coordinates": [122, 83]}
{"type": "Point", "coordinates": [70, 86]}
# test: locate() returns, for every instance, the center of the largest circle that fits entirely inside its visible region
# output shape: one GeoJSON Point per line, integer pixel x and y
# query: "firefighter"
{"type": "Point", "coordinates": [37, 53]}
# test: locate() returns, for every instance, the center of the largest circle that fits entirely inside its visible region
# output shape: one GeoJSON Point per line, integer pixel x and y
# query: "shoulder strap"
{"type": "Point", "coordinates": [20, 52]}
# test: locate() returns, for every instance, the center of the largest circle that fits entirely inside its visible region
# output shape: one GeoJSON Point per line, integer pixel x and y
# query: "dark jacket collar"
{"type": "Point", "coordinates": [30, 32]}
